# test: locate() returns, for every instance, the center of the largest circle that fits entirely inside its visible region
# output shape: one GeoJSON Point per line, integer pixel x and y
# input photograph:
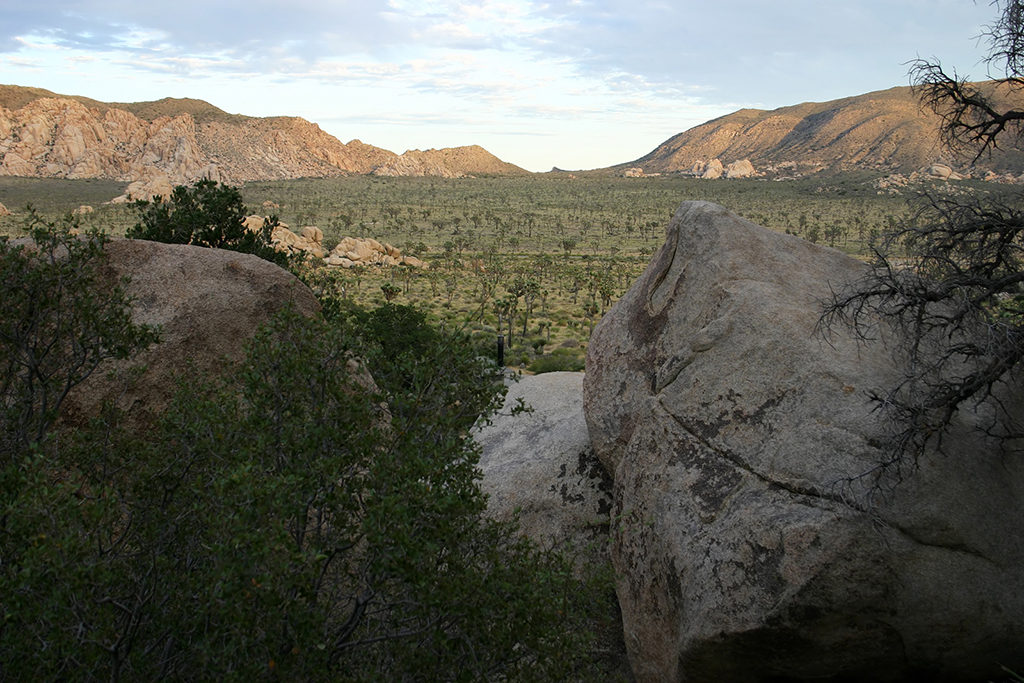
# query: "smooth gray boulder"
{"type": "Point", "coordinates": [745, 546]}
{"type": "Point", "coordinates": [541, 464]}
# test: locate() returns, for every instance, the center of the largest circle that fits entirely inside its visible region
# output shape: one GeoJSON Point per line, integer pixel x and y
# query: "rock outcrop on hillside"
{"type": "Point", "coordinates": [740, 169]}
{"type": "Point", "coordinates": [208, 302]}
{"type": "Point", "coordinates": [53, 137]}
{"type": "Point", "coordinates": [714, 169]}
{"type": "Point", "coordinates": [886, 130]}
{"type": "Point", "coordinates": [745, 546]}
{"type": "Point", "coordinates": [175, 142]}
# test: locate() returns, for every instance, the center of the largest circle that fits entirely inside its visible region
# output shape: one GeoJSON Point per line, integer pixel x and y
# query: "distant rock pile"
{"type": "Point", "coordinates": [708, 170]}
{"type": "Point", "coordinates": [310, 239]}
{"type": "Point", "coordinates": [943, 172]}
{"type": "Point", "coordinates": [892, 184]}
{"type": "Point", "coordinates": [714, 169]}
{"type": "Point", "coordinates": [740, 169]}
{"type": "Point", "coordinates": [353, 251]}
{"type": "Point", "coordinates": [154, 184]}
{"type": "Point", "coordinates": [1006, 178]}
{"type": "Point", "coordinates": [897, 183]}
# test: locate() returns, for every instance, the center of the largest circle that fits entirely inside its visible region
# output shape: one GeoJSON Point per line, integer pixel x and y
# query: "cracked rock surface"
{"type": "Point", "coordinates": [745, 545]}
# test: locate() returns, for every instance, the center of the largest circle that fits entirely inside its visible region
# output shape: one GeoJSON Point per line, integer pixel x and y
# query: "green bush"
{"type": "Point", "coordinates": [288, 521]}
{"type": "Point", "coordinates": [207, 215]}
{"type": "Point", "coordinates": [58, 321]}
{"type": "Point", "coordinates": [559, 360]}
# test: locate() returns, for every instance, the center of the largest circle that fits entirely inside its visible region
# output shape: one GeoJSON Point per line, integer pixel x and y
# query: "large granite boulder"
{"type": "Point", "coordinates": [747, 545]}
{"type": "Point", "coordinates": [208, 303]}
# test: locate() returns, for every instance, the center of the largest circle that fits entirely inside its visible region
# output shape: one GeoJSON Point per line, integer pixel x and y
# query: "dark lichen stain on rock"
{"type": "Point", "coordinates": [736, 415]}
{"type": "Point", "coordinates": [569, 499]}
{"type": "Point", "coordinates": [592, 475]}
{"type": "Point", "coordinates": [716, 478]}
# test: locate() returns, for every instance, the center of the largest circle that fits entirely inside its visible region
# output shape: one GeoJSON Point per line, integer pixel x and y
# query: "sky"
{"type": "Point", "coordinates": [577, 84]}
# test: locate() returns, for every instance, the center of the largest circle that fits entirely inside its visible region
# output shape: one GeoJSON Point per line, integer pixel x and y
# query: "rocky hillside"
{"type": "Point", "coordinates": [46, 135]}
{"type": "Point", "coordinates": [885, 131]}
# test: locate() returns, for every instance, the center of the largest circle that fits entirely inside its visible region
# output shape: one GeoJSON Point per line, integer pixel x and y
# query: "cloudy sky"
{"type": "Point", "coordinates": [570, 83]}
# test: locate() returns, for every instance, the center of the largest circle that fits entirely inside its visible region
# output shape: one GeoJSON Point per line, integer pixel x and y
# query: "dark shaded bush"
{"type": "Point", "coordinates": [287, 521]}
{"type": "Point", "coordinates": [205, 214]}
{"type": "Point", "coordinates": [559, 360]}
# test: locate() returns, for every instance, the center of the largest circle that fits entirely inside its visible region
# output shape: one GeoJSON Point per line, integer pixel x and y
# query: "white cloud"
{"type": "Point", "coordinates": [541, 79]}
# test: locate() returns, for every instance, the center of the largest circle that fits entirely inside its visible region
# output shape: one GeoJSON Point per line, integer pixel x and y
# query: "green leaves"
{"type": "Point", "coordinates": [294, 518]}
{"type": "Point", "coordinates": [207, 215]}
{"type": "Point", "coordinates": [59, 320]}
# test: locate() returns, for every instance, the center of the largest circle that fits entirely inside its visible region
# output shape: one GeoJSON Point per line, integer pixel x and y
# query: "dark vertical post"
{"type": "Point", "coordinates": [501, 350]}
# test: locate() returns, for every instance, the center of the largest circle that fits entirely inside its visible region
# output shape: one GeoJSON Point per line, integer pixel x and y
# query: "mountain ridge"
{"type": "Point", "coordinates": [176, 141]}
{"type": "Point", "coordinates": [885, 130]}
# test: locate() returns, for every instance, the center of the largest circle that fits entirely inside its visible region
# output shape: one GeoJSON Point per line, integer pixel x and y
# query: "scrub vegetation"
{"type": "Point", "coordinates": [537, 259]}
{"type": "Point", "coordinates": [289, 520]}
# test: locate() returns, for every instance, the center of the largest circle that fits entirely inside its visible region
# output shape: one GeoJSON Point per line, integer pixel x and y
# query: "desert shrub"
{"type": "Point", "coordinates": [559, 360]}
{"type": "Point", "coordinates": [205, 214]}
{"type": "Point", "coordinates": [288, 521]}
{"type": "Point", "coordinates": [58, 321]}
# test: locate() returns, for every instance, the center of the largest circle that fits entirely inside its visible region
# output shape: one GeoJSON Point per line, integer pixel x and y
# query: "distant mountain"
{"type": "Point", "coordinates": [883, 131]}
{"type": "Point", "coordinates": [46, 135]}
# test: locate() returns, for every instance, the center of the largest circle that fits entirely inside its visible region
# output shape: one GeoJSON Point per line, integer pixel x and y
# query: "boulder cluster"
{"type": "Point", "coordinates": [714, 169]}
{"type": "Point", "coordinates": [309, 240]}
{"type": "Point", "coordinates": [349, 252]}
{"type": "Point", "coordinates": [353, 251]}
{"type": "Point", "coordinates": [706, 169]}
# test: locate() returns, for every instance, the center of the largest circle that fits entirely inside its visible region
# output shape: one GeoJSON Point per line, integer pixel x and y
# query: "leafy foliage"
{"type": "Point", "coordinates": [205, 214]}
{"type": "Point", "coordinates": [59, 320]}
{"type": "Point", "coordinates": [290, 520]}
